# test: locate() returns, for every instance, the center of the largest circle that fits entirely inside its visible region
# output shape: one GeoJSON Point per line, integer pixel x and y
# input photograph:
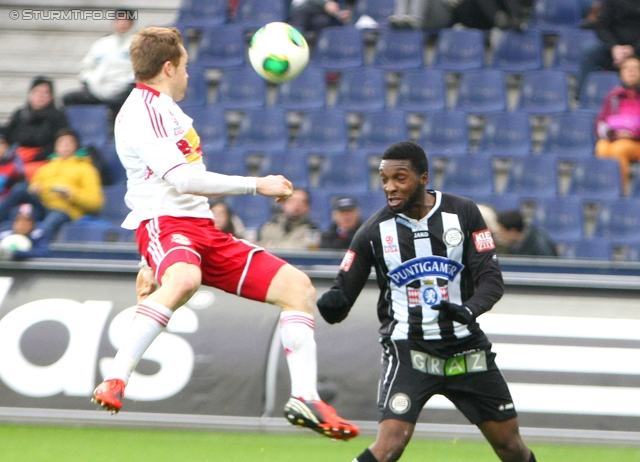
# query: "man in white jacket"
{"type": "Point", "coordinates": [106, 71]}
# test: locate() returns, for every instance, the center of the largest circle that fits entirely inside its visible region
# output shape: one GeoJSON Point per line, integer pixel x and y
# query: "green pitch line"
{"type": "Point", "coordinates": [71, 444]}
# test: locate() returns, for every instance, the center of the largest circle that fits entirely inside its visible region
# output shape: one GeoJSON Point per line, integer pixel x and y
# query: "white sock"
{"type": "Point", "coordinates": [150, 320]}
{"type": "Point", "coordinates": [296, 331]}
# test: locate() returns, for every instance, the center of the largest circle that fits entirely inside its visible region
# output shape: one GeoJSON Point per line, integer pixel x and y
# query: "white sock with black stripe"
{"type": "Point", "coordinates": [296, 331]}
{"type": "Point", "coordinates": [150, 320]}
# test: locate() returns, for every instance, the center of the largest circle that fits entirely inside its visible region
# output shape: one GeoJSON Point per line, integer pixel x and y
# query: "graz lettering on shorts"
{"type": "Point", "coordinates": [464, 364]}
{"type": "Point", "coordinates": [420, 267]}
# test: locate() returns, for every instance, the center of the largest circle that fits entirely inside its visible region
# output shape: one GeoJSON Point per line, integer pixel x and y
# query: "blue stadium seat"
{"type": "Point", "coordinates": [561, 218]}
{"type": "Point", "coordinates": [241, 88]}
{"type": "Point", "coordinates": [378, 10]}
{"type": "Point", "coordinates": [459, 50]}
{"type": "Point", "coordinates": [506, 134]}
{"type": "Point", "coordinates": [470, 176]}
{"type": "Point", "coordinates": [324, 130]}
{"type": "Point", "coordinates": [482, 91]}
{"type": "Point", "coordinates": [596, 86]}
{"type": "Point", "coordinates": [263, 129]}
{"type": "Point", "coordinates": [544, 92]}
{"type": "Point", "coordinates": [569, 47]}
{"type": "Point", "coordinates": [197, 14]}
{"type": "Point", "coordinates": [114, 209]}
{"type": "Point", "coordinates": [221, 46]}
{"type": "Point", "coordinates": [381, 129]}
{"type": "Point", "coordinates": [552, 16]}
{"type": "Point", "coordinates": [197, 91]}
{"type": "Point", "coordinates": [619, 220]}
{"type": "Point", "coordinates": [117, 173]}
{"type": "Point", "coordinates": [422, 90]}
{"type": "Point", "coordinates": [361, 89]}
{"type": "Point", "coordinates": [532, 177]}
{"type": "Point", "coordinates": [307, 91]}
{"type": "Point", "coordinates": [291, 165]}
{"type": "Point", "coordinates": [518, 51]}
{"type": "Point", "coordinates": [592, 249]}
{"type": "Point", "coordinates": [569, 135]}
{"type": "Point", "coordinates": [596, 179]}
{"type": "Point", "coordinates": [338, 47]}
{"type": "Point", "coordinates": [500, 202]}
{"type": "Point", "coordinates": [87, 231]}
{"type": "Point", "coordinates": [229, 161]}
{"type": "Point", "coordinates": [254, 211]}
{"type": "Point", "coordinates": [349, 172]}
{"type": "Point", "coordinates": [90, 122]}
{"type": "Point", "coordinates": [625, 250]}
{"type": "Point", "coordinates": [209, 122]}
{"type": "Point", "coordinates": [444, 133]}
{"type": "Point", "coordinates": [398, 49]}
{"type": "Point", "coordinates": [253, 14]}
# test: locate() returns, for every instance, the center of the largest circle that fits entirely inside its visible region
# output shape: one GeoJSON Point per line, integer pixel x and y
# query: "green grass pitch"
{"type": "Point", "coordinates": [73, 444]}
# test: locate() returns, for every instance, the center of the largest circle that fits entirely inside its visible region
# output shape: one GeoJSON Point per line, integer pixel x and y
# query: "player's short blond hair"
{"type": "Point", "coordinates": [151, 48]}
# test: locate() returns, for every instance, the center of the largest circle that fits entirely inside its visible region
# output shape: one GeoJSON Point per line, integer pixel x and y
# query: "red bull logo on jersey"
{"type": "Point", "coordinates": [189, 145]}
{"type": "Point", "coordinates": [180, 239]}
{"type": "Point", "coordinates": [418, 268]}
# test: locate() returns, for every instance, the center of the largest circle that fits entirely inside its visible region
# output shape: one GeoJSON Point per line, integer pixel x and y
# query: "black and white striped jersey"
{"type": "Point", "coordinates": [449, 254]}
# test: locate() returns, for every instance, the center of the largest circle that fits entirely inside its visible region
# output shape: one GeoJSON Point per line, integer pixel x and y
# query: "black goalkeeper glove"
{"type": "Point", "coordinates": [333, 306]}
{"type": "Point", "coordinates": [458, 313]}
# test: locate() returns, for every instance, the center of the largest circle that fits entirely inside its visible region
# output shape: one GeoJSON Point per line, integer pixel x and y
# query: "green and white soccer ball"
{"type": "Point", "coordinates": [278, 52]}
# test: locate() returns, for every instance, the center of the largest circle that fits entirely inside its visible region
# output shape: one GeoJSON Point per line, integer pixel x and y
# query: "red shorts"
{"type": "Point", "coordinates": [227, 263]}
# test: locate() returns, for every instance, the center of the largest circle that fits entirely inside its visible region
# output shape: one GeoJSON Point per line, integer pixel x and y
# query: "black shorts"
{"type": "Point", "coordinates": [471, 381]}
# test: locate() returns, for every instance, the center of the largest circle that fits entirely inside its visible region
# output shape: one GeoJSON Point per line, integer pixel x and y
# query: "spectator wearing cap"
{"type": "Point", "coordinates": [105, 72]}
{"type": "Point", "coordinates": [519, 238]}
{"type": "Point", "coordinates": [346, 220]}
{"type": "Point", "coordinates": [24, 224]}
{"type": "Point", "coordinates": [32, 128]}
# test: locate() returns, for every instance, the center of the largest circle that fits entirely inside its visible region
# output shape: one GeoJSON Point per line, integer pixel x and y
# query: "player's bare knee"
{"type": "Point", "coordinates": [294, 291]}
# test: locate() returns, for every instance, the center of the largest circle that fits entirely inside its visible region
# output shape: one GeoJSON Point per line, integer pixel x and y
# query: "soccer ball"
{"type": "Point", "coordinates": [278, 52]}
{"type": "Point", "coordinates": [16, 242]}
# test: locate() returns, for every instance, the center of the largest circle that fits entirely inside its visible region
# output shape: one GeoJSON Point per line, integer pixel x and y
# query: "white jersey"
{"type": "Point", "coordinates": [153, 136]}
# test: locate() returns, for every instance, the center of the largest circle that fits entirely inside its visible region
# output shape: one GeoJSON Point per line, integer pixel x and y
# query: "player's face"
{"type": "Point", "coordinates": [181, 77]}
{"type": "Point", "coordinates": [402, 186]}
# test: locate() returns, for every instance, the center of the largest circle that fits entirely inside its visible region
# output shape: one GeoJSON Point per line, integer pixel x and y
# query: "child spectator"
{"type": "Point", "coordinates": [24, 224]}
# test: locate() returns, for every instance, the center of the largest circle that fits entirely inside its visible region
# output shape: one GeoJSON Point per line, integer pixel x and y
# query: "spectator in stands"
{"type": "Point", "coordinates": [226, 220]}
{"type": "Point", "coordinates": [292, 228]}
{"type": "Point", "coordinates": [32, 128]}
{"type": "Point", "coordinates": [10, 169]}
{"type": "Point", "coordinates": [310, 16]}
{"type": "Point", "coordinates": [65, 189]}
{"type": "Point", "coordinates": [346, 219]}
{"type": "Point", "coordinates": [618, 124]}
{"type": "Point", "coordinates": [106, 72]}
{"type": "Point", "coordinates": [24, 224]}
{"type": "Point", "coordinates": [490, 216]}
{"type": "Point", "coordinates": [618, 28]}
{"type": "Point", "coordinates": [521, 239]}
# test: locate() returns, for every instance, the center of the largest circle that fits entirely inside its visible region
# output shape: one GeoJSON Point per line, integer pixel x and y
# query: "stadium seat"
{"type": "Point", "coordinates": [592, 249]}
{"type": "Point", "coordinates": [561, 218]}
{"type": "Point", "coordinates": [221, 46]}
{"type": "Point", "coordinates": [624, 250]}
{"type": "Point", "coordinates": [596, 179]}
{"type": "Point", "coordinates": [506, 134]}
{"type": "Point", "coordinates": [398, 49]}
{"type": "Point", "coordinates": [117, 173]}
{"type": "Point", "coordinates": [470, 176]}
{"type": "Point", "coordinates": [263, 129]}
{"type": "Point", "coordinates": [482, 91]}
{"type": "Point", "coordinates": [338, 47]}
{"type": "Point", "coordinates": [197, 89]}
{"type": "Point", "coordinates": [518, 51]}
{"type": "Point", "coordinates": [568, 48]}
{"type": "Point", "coordinates": [350, 172]}
{"type": "Point", "coordinates": [444, 133]}
{"type": "Point", "coordinates": [378, 10]}
{"type": "Point", "coordinates": [114, 209]}
{"type": "Point", "coordinates": [500, 202]}
{"type": "Point", "coordinates": [91, 230]}
{"type": "Point", "coordinates": [254, 211]}
{"type": "Point", "coordinates": [422, 90]}
{"type": "Point", "coordinates": [361, 89]}
{"type": "Point", "coordinates": [381, 129]}
{"type": "Point", "coordinates": [459, 50]}
{"type": "Point", "coordinates": [229, 161]}
{"type": "Point", "coordinates": [89, 121]}
{"type": "Point", "coordinates": [241, 88]}
{"type": "Point", "coordinates": [307, 91]}
{"type": "Point", "coordinates": [209, 122]}
{"type": "Point", "coordinates": [253, 14]}
{"type": "Point", "coordinates": [544, 92]}
{"type": "Point", "coordinates": [197, 14]}
{"type": "Point", "coordinates": [553, 16]}
{"type": "Point", "coordinates": [569, 135]}
{"type": "Point", "coordinates": [288, 163]}
{"type": "Point", "coordinates": [323, 130]}
{"type": "Point", "coordinates": [532, 177]}
{"type": "Point", "coordinates": [596, 86]}
{"type": "Point", "coordinates": [619, 220]}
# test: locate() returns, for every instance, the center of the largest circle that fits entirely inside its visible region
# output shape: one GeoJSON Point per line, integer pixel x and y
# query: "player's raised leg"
{"type": "Point", "coordinates": [292, 290]}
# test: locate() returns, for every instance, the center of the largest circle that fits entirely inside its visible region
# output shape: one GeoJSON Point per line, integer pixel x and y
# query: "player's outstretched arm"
{"type": "Point", "coordinates": [274, 186]}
